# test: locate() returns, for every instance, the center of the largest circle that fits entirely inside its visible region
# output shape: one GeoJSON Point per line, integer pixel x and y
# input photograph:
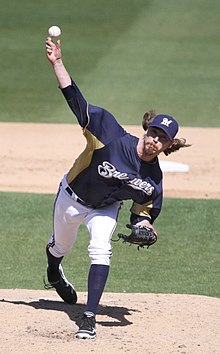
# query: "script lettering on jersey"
{"type": "Point", "coordinates": [138, 183]}
{"type": "Point", "coordinates": [107, 170]}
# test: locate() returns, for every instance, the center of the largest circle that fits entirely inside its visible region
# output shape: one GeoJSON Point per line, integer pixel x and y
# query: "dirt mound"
{"type": "Point", "coordinates": [39, 322]}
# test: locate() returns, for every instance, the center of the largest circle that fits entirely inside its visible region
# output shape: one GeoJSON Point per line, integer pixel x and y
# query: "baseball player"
{"type": "Point", "coordinates": [114, 166]}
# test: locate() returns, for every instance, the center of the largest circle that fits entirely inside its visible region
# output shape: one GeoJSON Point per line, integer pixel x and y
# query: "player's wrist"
{"type": "Point", "coordinates": [57, 62]}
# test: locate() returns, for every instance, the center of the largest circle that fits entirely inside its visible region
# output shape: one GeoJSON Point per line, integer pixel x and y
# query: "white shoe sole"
{"type": "Point", "coordinates": [85, 335]}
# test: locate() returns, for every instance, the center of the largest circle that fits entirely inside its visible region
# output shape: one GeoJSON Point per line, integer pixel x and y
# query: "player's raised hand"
{"type": "Point", "coordinates": [53, 51]}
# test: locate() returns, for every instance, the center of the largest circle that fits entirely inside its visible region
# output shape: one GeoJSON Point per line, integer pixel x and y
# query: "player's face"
{"type": "Point", "coordinates": [155, 141]}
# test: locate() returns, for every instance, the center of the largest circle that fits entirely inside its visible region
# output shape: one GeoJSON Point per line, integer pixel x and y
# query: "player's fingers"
{"type": "Point", "coordinates": [49, 42]}
{"type": "Point", "coordinates": [49, 50]}
{"type": "Point", "coordinates": [49, 47]}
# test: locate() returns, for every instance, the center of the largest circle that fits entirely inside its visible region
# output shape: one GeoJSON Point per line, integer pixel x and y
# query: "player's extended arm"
{"type": "Point", "coordinates": [71, 92]}
{"type": "Point", "coordinates": [53, 53]}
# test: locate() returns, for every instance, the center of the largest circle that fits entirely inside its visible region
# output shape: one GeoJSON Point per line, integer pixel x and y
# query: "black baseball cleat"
{"type": "Point", "coordinates": [87, 328]}
{"type": "Point", "coordinates": [63, 287]}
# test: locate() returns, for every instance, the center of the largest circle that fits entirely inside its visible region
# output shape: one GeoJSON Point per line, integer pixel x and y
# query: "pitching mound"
{"type": "Point", "coordinates": [38, 322]}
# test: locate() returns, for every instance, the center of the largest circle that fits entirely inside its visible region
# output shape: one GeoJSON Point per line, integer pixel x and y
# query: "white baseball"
{"type": "Point", "coordinates": [54, 31]}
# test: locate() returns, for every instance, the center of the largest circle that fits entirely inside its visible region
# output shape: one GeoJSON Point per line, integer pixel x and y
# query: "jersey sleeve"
{"type": "Point", "coordinates": [148, 211]}
{"type": "Point", "coordinates": [77, 103]}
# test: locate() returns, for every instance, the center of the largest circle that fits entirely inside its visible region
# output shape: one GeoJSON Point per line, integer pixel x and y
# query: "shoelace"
{"type": "Point", "coordinates": [48, 286]}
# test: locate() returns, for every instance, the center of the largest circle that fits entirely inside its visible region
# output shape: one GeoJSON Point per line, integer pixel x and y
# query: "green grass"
{"type": "Point", "coordinates": [128, 58]}
{"type": "Point", "coordinates": [185, 259]}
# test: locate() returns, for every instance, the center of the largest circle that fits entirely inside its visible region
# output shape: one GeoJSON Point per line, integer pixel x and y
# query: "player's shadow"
{"type": "Point", "coordinates": [117, 314]}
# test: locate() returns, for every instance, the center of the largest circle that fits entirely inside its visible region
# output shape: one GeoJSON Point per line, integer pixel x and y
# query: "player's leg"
{"type": "Point", "coordinates": [101, 224]}
{"type": "Point", "coordinates": [67, 218]}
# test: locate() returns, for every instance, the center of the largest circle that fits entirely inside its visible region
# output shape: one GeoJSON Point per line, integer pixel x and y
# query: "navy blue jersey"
{"type": "Point", "coordinates": [109, 169]}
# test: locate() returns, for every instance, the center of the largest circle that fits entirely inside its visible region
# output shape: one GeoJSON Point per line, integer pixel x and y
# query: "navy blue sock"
{"type": "Point", "coordinates": [97, 278]}
{"type": "Point", "coordinates": [53, 266]}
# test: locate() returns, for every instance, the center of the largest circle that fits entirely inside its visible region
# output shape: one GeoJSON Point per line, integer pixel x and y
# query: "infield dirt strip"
{"type": "Point", "coordinates": [33, 158]}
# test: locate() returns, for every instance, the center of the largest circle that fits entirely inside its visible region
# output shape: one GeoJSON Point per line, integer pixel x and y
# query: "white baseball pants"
{"type": "Point", "coordinates": [69, 215]}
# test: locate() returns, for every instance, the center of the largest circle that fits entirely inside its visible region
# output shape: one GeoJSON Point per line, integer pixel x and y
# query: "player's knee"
{"type": "Point", "coordinates": [100, 255]}
{"type": "Point", "coordinates": [59, 250]}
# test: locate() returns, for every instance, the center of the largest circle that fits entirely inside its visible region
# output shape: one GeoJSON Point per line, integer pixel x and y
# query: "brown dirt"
{"type": "Point", "coordinates": [38, 322]}
{"type": "Point", "coordinates": [33, 158]}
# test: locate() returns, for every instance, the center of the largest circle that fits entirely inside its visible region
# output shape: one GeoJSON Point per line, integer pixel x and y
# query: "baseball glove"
{"type": "Point", "coordinates": [140, 236]}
